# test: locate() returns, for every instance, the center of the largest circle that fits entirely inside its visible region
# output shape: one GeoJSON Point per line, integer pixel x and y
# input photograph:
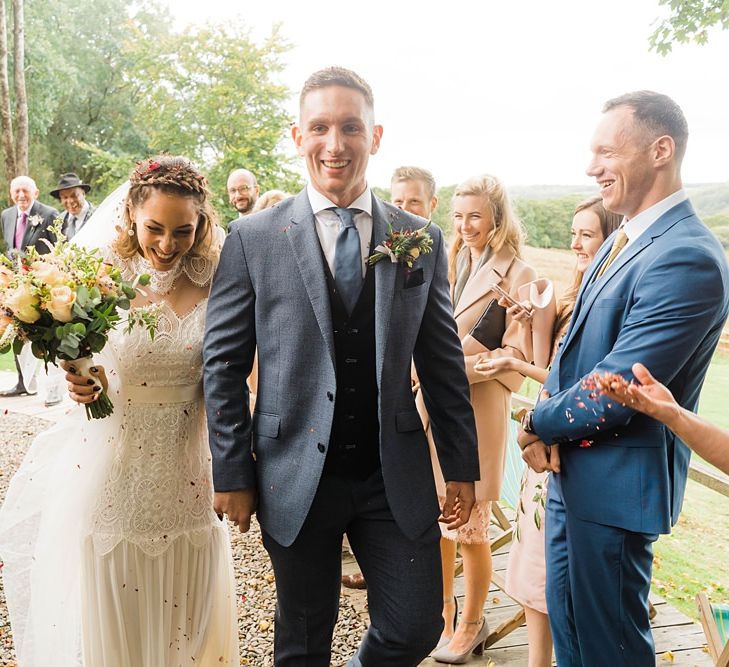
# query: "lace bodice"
{"type": "Point", "coordinates": [159, 485]}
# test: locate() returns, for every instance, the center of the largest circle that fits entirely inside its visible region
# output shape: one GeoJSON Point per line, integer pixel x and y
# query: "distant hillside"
{"type": "Point", "coordinates": [710, 198]}
{"type": "Point", "coordinates": [539, 192]}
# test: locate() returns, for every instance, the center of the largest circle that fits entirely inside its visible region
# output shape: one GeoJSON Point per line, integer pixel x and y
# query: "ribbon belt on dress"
{"type": "Point", "coordinates": [186, 393]}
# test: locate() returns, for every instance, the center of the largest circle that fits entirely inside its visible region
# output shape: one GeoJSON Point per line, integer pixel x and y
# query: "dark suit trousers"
{"type": "Point", "coordinates": [404, 584]}
{"type": "Point", "coordinates": [598, 579]}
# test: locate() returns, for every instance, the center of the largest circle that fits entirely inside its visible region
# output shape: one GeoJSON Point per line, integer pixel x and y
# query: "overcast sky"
{"type": "Point", "coordinates": [510, 88]}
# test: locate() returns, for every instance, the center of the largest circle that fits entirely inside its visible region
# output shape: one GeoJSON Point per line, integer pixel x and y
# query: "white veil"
{"type": "Point", "coordinates": [106, 222]}
{"type": "Point", "coordinates": [49, 506]}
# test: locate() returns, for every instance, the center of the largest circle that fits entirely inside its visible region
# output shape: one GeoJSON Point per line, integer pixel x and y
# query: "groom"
{"type": "Point", "coordinates": [335, 444]}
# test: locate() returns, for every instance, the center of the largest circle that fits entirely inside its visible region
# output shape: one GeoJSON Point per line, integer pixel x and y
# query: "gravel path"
{"type": "Point", "coordinates": [254, 577]}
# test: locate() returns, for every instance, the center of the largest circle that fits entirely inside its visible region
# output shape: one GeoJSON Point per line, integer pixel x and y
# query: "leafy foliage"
{"type": "Point", "coordinates": [689, 21]}
{"type": "Point", "coordinates": [111, 82]}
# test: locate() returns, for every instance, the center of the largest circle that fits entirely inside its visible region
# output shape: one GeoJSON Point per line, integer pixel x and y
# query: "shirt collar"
{"type": "Point", "coordinates": [320, 203]}
{"type": "Point", "coordinates": [30, 208]}
{"type": "Point", "coordinates": [82, 213]}
{"type": "Point", "coordinates": [637, 225]}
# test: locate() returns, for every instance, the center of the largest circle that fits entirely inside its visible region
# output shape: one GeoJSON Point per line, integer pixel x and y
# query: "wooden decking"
{"type": "Point", "coordinates": [679, 641]}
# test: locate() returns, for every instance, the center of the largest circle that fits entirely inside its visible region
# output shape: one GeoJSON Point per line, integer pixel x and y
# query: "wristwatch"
{"type": "Point", "coordinates": [527, 422]}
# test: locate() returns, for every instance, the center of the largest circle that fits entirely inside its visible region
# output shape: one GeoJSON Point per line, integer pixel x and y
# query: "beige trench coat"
{"type": "Point", "coordinates": [491, 399]}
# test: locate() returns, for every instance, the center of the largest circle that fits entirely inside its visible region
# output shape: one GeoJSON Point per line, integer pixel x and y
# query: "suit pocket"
{"type": "Point", "coordinates": [408, 421]}
{"type": "Point", "coordinates": [266, 424]}
{"type": "Point", "coordinates": [614, 304]}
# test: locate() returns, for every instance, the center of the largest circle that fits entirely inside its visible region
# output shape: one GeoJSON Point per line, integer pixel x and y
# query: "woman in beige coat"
{"type": "Point", "coordinates": [486, 252]}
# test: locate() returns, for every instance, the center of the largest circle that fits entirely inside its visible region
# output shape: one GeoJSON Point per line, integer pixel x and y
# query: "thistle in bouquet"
{"type": "Point", "coordinates": [65, 303]}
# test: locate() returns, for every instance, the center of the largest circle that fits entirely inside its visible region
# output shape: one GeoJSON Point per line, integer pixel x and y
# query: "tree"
{"type": "Point", "coordinates": [689, 21]}
{"type": "Point", "coordinates": [212, 94]}
{"type": "Point", "coordinates": [15, 143]}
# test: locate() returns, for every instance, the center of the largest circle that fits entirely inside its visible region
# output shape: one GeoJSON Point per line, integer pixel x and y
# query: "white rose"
{"type": "Point", "coordinates": [61, 303]}
{"type": "Point", "coordinates": [23, 303]}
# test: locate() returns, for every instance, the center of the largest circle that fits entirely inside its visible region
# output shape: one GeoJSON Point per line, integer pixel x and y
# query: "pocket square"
{"type": "Point", "coordinates": [414, 278]}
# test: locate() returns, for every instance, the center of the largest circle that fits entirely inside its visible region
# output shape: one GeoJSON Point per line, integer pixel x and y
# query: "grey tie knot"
{"type": "Point", "coordinates": [346, 215]}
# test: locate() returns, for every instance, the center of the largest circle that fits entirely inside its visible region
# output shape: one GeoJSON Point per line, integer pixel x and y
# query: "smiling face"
{"type": "Point", "coordinates": [336, 136]}
{"type": "Point", "coordinates": [23, 191]}
{"type": "Point", "coordinates": [73, 199]}
{"type": "Point", "coordinates": [586, 237]}
{"type": "Point", "coordinates": [242, 191]}
{"type": "Point", "coordinates": [622, 164]}
{"type": "Point", "coordinates": [411, 195]}
{"type": "Point", "coordinates": [165, 226]}
{"type": "Point", "coordinates": [473, 221]}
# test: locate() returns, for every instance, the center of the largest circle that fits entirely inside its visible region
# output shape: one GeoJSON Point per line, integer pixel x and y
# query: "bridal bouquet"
{"type": "Point", "coordinates": [64, 304]}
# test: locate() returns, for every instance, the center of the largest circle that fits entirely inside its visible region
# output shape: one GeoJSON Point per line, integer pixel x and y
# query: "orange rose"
{"type": "Point", "coordinates": [6, 276]}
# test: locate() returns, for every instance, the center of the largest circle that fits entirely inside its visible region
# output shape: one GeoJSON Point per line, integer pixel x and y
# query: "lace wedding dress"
{"type": "Point", "coordinates": [113, 554]}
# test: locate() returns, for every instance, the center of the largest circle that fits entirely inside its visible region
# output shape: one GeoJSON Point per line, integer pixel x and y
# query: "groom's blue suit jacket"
{"type": "Point", "coordinates": [663, 302]}
{"type": "Point", "coordinates": [270, 293]}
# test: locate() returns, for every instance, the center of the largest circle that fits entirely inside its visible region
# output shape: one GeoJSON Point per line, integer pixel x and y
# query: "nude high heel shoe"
{"type": "Point", "coordinates": [444, 655]}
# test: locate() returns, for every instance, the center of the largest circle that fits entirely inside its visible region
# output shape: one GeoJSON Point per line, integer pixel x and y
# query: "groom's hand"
{"type": "Point", "coordinates": [237, 505]}
{"type": "Point", "coordinates": [459, 501]}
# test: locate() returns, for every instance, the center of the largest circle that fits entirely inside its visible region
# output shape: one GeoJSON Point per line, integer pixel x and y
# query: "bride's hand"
{"type": "Point", "coordinates": [82, 389]}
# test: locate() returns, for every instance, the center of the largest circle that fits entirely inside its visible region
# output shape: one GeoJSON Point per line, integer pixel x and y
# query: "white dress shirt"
{"type": "Point", "coordinates": [328, 223]}
{"type": "Point", "coordinates": [79, 219]}
{"type": "Point", "coordinates": [635, 227]}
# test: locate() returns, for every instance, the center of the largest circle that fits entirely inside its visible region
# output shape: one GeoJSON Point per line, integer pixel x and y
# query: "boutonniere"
{"type": "Point", "coordinates": [403, 247]}
{"type": "Point", "coordinates": [35, 220]}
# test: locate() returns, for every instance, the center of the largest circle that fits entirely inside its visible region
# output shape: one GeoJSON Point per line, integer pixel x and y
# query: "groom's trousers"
{"type": "Point", "coordinates": [404, 581]}
{"type": "Point", "coordinates": [598, 579]}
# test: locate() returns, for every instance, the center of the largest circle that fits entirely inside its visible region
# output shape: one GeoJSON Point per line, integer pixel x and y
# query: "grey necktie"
{"type": "Point", "coordinates": [71, 227]}
{"type": "Point", "coordinates": [348, 258]}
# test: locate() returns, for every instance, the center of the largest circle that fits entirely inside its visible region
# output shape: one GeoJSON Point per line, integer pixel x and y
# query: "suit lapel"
{"type": "Point", "coordinates": [385, 274]}
{"type": "Point", "coordinates": [30, 230]}
{"type": "Point", "coordinates": [492, 272]}
{"type": "Point", "coordinates": [592, 286]}
{"type": "Point", "coordinates": [307, 249]}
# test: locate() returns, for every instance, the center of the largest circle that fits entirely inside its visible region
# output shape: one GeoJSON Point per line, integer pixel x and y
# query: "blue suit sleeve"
{"type": "Point", "coordinates": [674, 304]}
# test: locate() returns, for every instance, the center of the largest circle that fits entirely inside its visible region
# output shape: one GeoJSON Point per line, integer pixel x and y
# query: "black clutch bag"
{"type": "Point", "coordinates": [490, 327]}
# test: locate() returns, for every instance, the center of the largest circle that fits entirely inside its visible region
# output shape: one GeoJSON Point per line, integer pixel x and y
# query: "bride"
{"type": "Point", "coordinates": [113, 555]}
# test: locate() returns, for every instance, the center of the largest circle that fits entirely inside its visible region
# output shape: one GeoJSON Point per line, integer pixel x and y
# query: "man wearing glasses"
{"type": "Point", "coordinates": [242, 191]}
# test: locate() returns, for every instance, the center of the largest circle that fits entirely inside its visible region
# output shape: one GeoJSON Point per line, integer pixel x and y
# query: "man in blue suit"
{"type": "Point", "coordinates": [335, 444]}
{"type": "Point", "coordinates": [658, 291]}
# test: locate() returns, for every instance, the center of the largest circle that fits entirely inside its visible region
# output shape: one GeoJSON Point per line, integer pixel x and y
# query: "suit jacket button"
{"type": "Point", "coordinates": [330, 396]}
{"type": "Point", "coordinates": [321, 448]}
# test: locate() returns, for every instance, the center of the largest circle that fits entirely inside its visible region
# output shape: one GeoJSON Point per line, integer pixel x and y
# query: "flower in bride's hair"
{"type": "Point", "coordinates": [48, 273]}
{"type": "Point", "coordinates": [61, 303]}
{"type": "Point", "coordinates": [23, 303]}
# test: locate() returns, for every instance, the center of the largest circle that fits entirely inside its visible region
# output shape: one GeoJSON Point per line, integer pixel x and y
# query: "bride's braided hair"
{"type": "Point", "coordinates": [177, 176]}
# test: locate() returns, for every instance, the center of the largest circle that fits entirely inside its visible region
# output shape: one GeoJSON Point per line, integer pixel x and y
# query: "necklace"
{"type": "Point", "coordinates": [161, 282]}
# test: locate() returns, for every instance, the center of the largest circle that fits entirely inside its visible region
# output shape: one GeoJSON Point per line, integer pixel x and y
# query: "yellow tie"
{"type": "Point", "coordinates": [621, 238]}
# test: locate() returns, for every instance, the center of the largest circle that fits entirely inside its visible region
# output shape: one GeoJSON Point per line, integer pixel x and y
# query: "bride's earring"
{"type": "Point", "coordinates": [130, 231]}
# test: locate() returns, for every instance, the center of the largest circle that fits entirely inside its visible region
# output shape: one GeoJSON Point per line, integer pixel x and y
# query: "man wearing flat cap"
{"type": "Point", "coordinates": [71, 192]}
